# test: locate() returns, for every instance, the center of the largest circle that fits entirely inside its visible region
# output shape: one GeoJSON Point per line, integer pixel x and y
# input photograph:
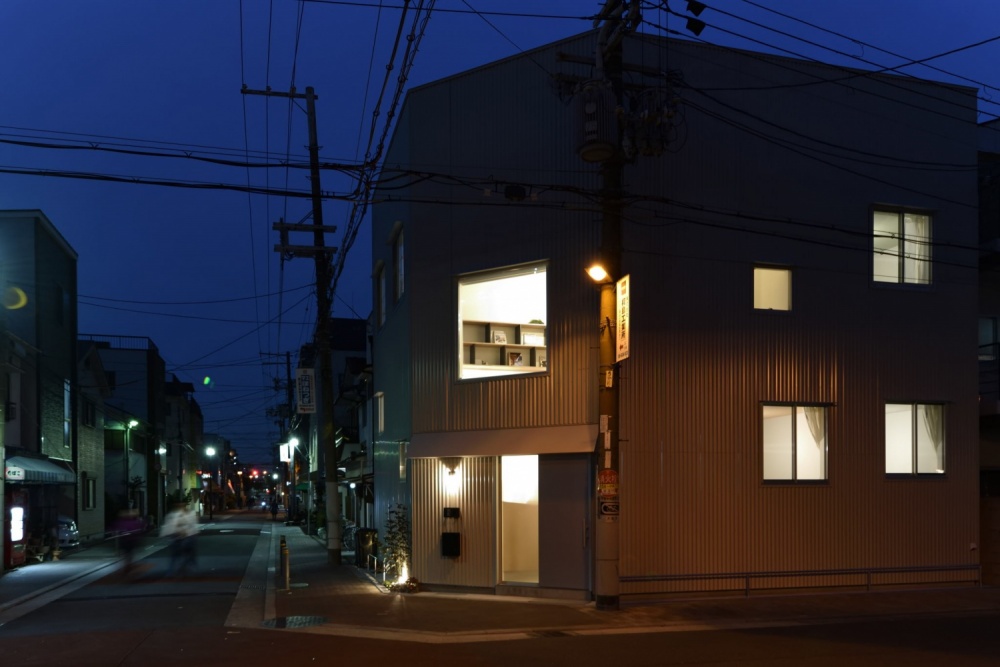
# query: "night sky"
{"type": "Point", "coordinates": [91, 82]}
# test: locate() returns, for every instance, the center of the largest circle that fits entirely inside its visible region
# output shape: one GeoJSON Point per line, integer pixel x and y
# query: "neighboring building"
{"type": "Point", "coordinates": [38, 377]}
{"type": "Point", "coordinates": [348, 340]}
{"type": "Point", "coordinates": [217, 463]}
{"type": "Point", "coordinates": [989, 347]}
{"type": "Point", "coordinates": [798, 404]}
{"type": "Point", "coordinates": [184, 426]}
{"type": "Point", "coordinates": [137, 379]}
{"type": "Point", "coordinates": [90, 416]}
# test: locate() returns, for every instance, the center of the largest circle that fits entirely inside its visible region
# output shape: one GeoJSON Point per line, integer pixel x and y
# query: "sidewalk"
{"type": "Point", "coordinates": [346, 600]}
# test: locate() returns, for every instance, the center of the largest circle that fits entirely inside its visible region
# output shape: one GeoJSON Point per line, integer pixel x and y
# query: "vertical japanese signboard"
{"type": "Point", "coordinates": [305, 385]}
{"type": "Point", "coordinates": [622, 317]}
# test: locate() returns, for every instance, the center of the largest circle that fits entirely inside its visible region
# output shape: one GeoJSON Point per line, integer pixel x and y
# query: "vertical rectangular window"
{"type": "Point", "coordinates": [89, 493]}
{"type": "Point", "coordinates": [987, 339]}
{"type": "Point", "coordinates": [397, 263]}
{"type": "Point", "coordinates": [914, 438]}
{"type": "Point", "coordinates": [379, 413]}
{"type": "Point", "coordinates": [380, 295]}
{"type": "Point", "coordinates": [772, 288]}
{"type": "Point", "coordinates": [794, 442]}
{"type": "Point", "coordinates": [902, 247]}
{"type": "Point", "coordinates": [67, 414]}
{"type": "Point", "coordinates": [402, 462]}
{"type": "Point", "coordinates": [501, 322]}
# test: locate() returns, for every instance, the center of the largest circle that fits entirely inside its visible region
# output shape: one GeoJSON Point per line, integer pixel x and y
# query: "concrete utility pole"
{"type": "Point", "coordinates": [322, 255]}
{"type": "Point", "coordinates": [602, 142]}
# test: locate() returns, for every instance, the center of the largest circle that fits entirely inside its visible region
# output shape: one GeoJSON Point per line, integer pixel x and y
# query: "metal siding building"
{"type": "Point", "coordinates": [770, 171]}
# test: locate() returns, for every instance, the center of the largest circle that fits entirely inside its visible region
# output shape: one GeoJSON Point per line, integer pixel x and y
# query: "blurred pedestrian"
{"type": "Point", "coordinates": [274, 509]}
{"type": "Point", "coordinates": [181, 525]}
{"type": "Point", "coordinates": [128, 529]}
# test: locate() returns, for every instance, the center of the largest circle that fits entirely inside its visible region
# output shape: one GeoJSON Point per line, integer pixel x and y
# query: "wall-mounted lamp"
{"type": "Point", "coordinates": [598, 273]}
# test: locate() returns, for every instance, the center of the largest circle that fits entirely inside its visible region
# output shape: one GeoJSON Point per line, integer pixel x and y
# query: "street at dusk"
{"type": "Point", "coordinates": [489, 332]}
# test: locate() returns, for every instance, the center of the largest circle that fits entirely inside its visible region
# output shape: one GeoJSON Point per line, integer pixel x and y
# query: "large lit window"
{"type": "Point", "coordinates": [795, 442]}
{"type": "Point", "coordinates": [914, 438]}
{"type": "Point", "coordinates": [772, 288]}
{"type": "Point", "coordinates": [902, 244]}
{"type": "Point", "coordinates": [502, 318]}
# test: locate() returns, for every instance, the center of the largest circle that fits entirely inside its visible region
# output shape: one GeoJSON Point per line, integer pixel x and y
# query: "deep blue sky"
{"type": "Point", "coordinates": [194, 269]}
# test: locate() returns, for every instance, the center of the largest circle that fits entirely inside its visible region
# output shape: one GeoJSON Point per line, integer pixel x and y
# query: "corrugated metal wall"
{"type": "Point", "coordinates": [693, 502]}
{"type": "Point", "coordinates": [474, 492]}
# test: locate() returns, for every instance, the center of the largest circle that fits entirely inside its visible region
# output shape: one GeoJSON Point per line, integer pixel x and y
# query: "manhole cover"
{"type": "Point", "coordinates": [294, 622]}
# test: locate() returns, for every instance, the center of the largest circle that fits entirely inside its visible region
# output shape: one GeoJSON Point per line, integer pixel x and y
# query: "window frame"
{"type": "Point", "coordinates": [794, 450]}
{"type": "Point", "coordinates": [498, 332]}
{"type": "Point", "coordinates": [914, 453]}
{"type": "Point", "coordinates": [379, 294]}
{"type": "Point", "coordinates": [772, 267]}
{"type": "Point", "coordinates": [901, 254]}
{"type": "Point", "coordinates": [398, 257]}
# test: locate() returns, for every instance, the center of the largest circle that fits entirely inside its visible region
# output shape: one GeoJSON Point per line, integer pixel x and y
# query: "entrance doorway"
{"type": "Point", "coordinates": [519, 519]}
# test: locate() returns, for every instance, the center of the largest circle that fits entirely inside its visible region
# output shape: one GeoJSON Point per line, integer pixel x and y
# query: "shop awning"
{"type": "Point", "coordinates": [505, 442]}
{"type": "Point", "coordinates": [36, 471]}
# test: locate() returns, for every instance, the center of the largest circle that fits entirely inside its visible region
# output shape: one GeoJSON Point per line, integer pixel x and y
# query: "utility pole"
{"type": "Point", "coordinates": [601, 141]}
{"type": "Point", "coordinates": [322, 256]}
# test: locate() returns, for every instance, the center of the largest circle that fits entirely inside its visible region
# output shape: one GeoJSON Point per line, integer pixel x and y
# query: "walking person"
{"type": "Point", "coordinates": [181, 525]}
{"type": "Point", "coordinates": [274, 509]}
{"type": "Point", "coordinates": [128, 529]}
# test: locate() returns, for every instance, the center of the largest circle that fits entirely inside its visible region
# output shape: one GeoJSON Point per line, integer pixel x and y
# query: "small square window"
{"type": "Point", "coordinates": [772, 288]}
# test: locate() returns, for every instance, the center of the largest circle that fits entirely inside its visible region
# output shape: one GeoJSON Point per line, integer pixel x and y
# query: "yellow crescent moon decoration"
{"type": "Point", "coordinates": [14, 298]}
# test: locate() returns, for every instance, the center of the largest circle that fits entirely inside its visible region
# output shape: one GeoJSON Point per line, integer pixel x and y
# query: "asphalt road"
{"type": "Point", "coordinates": [150, 620]}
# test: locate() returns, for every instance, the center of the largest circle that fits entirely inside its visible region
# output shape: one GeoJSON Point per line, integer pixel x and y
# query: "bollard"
{"type": "Point", "coordinates": [285, 564]}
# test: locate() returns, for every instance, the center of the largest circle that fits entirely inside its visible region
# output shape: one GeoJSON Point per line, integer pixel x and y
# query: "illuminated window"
{"type": "Point", "coordinates": [914, 438]}
{"type": "Point", "coordinates": [902, 247]}
{"type": "Point", "coordinates": [502, 318]}
{"type": "Point", "coordinates": [379, 413]}
{"type": "Point", "coordinates": [795, 442]}
{"type": "Point", "coordinates": [772, 288]}
{"type": "Point", "coordinates": [519, 518]}
{"type": "Point", "coordinates": [402, 462]}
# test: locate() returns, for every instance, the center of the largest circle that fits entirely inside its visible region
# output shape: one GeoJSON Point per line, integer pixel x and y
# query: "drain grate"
{"type": "Point", "coordinates": [294, 622]}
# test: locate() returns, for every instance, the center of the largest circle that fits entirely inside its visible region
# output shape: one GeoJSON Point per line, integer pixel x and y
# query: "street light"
{"type": "Point", "coordinates": [131, 424]}
{"type": "Point", "coordinates": [210, 453]}
{"type": "Point", "coordinates": [293, 442]}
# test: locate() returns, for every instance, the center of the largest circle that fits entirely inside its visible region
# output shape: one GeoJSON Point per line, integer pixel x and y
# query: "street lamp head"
{"type": "Point", "coordinates": [598, 273]}
{"type": "Point", "coordinates": [294, 442]}
{"type": "Point", "coordinates": [210, 451]}
{"type": "Point", "coordinates": [132, 423]}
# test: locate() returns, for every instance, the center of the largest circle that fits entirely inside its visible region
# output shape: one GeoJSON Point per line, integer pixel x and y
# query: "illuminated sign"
{"type": "Point", "coordinates": [13, 474]}
{"type": "Point", "coordinates": [622, 319]}
{"type": "Point", "coordinates": [305, 385]}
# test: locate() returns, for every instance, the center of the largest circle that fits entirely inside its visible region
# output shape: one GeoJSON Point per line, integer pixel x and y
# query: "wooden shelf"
{"type": "Point", "coordinates": [504, 345]}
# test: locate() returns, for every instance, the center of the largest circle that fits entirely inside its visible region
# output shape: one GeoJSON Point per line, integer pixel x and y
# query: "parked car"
{"type": "Point", "coordinates": [69, 536]}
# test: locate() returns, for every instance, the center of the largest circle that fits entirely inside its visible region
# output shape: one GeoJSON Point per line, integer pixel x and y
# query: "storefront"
{"type": "Point", "coordinates": [33, 496]}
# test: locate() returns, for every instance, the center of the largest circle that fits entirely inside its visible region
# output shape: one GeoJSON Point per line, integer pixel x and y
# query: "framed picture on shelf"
{"type": "Point", "coordinates": [515, 359]}
{"type": "Point", "coordinates": [533, 339]}
{"type": "Point", "coordinates": [500, 337]}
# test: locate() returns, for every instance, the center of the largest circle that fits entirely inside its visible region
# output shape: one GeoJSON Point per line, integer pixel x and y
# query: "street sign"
{"type": "Point", "coordinates": [622, 316]}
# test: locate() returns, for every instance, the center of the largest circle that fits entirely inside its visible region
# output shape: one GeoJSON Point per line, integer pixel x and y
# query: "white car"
{"type": "Point", "coordinates": [69, 536]}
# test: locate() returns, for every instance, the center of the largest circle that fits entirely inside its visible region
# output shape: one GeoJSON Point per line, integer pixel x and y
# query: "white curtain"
{"type": "Point", "coordinates": [917, 247]}
{"type": "Point", "coordinates": [816, 419]}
